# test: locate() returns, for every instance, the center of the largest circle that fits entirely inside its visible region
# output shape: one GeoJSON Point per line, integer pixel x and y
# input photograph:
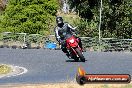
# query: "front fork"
{"type": "Point", "coordinates": [74, 51]}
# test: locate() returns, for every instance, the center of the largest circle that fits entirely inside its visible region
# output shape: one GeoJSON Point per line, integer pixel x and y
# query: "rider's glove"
{"type": "Point", "coordinates": [60, 41]}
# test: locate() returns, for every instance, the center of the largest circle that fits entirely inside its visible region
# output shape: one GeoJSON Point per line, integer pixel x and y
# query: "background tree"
{"type": "Point", "coordinates": [88, 11]}
{"type": "Point", "coordinates": [116, 17]}
{"type": "Point", "coordinates": [29, 16]}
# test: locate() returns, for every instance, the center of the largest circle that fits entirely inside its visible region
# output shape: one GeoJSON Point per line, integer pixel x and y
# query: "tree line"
{"type": "Point", "coordinates": [116, 17]}
{"type": "Point", "coordinates": [38, 16]}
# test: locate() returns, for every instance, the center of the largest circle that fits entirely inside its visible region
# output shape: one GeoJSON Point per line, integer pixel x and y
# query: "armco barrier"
{"type": "Point", "coordinates": [23, 40]}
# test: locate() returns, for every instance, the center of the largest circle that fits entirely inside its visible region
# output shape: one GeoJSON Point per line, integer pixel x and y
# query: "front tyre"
{"type": "Point", "coordinates": [76, 59]}
{"type": "Point", "coordinates": [80, 55]}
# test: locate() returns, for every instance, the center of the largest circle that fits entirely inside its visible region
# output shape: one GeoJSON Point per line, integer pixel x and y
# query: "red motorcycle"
{"type": "Point", "coordinates": [74, 48]}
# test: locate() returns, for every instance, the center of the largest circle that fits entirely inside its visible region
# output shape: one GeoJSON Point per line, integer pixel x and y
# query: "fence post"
{"type": "Point", "coordinates": [100, 24]}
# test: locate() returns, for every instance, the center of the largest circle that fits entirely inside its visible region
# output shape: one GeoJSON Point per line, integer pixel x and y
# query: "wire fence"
{"type": "Point", "coordinates": [22, 40]}
{"type": "Point", "coordinates": [107, 44]}
{"type": "Point", "coordinates": [37, 41]}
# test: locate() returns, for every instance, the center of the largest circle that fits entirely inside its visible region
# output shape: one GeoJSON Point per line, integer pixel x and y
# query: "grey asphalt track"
{"type": "Point", "coordinates": [53, 66]}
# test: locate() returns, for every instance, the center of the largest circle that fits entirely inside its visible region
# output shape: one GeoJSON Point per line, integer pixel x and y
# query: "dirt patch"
{"type": "Point", "coordinates": [68, 85]}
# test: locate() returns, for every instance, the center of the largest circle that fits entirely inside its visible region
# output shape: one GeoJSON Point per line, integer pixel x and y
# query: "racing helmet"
{"type": "Point", "coordinates": [59, 21]}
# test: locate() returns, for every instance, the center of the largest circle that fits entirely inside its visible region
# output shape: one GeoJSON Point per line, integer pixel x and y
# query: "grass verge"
{"type": "Point", "coordinates": [4, 69]}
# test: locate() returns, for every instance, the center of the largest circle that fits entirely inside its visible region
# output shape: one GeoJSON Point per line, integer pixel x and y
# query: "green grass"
{"type": "Point", "coordinates": [4, 69]}
{"type": "Point", "coordinates": [70, 18]}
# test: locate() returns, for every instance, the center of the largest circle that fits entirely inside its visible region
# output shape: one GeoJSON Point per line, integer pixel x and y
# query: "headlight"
{"type": "Point", "coordinates": [72, 41]}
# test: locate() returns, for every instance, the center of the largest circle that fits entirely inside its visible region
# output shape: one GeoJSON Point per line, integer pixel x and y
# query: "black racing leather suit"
{"type": "Point", "coordinates": [61, 32]}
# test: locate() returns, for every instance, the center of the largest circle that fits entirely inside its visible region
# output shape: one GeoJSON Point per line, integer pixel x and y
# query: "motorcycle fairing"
{"type": "Point", "coordinates": [71, 42]}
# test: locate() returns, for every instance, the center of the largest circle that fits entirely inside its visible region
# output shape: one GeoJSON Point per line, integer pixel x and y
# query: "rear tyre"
{"type": "Point", "coordinates": [80, 55]}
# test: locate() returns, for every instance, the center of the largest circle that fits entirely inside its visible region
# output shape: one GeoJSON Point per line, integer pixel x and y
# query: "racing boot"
{"type": "Point", "coordinates": [68, 55]}
{"type": "Point", "coordinates": [66, 52]}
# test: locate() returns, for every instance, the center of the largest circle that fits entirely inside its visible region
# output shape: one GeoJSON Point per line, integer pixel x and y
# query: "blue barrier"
{"type": "Point", "coordinates": [50, 45]}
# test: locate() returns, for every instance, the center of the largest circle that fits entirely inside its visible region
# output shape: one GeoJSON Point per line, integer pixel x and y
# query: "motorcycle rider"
{"type": "Point", "coordinates": [61, 30]}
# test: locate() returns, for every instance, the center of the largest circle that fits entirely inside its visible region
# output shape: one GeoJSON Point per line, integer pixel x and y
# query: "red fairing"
{"type": "Point", "coordinates": [71, 42]}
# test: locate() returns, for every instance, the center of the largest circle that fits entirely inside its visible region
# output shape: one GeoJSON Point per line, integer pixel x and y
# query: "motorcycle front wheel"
{"type": "Point", "coordinates": [82, 58]}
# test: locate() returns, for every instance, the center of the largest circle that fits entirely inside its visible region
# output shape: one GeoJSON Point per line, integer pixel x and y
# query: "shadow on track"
{"type": "Point", "coordinates": [74, 61]}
